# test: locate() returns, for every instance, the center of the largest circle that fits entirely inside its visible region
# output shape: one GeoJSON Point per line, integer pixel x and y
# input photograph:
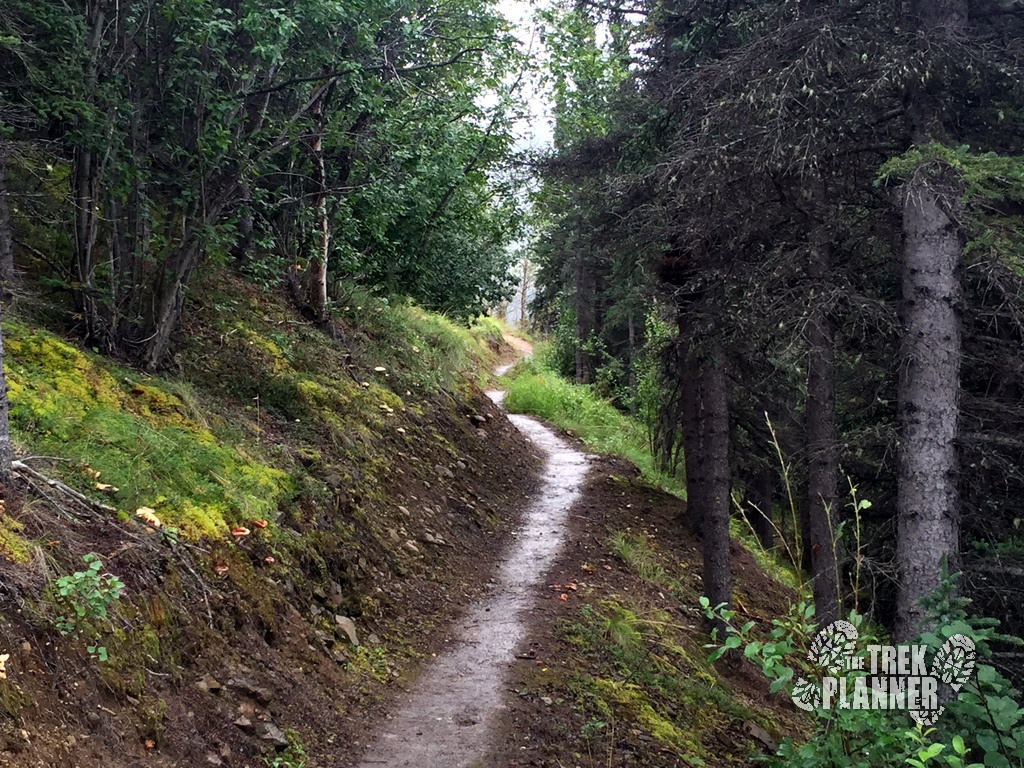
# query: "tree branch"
{"type": "Point", "coordinates": [381, 68]}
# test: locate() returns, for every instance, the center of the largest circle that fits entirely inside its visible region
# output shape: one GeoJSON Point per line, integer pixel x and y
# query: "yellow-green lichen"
{"type": "Point", "coordinates": [12, 546]}
{"type": "Point", "coordinates": [629, 702]}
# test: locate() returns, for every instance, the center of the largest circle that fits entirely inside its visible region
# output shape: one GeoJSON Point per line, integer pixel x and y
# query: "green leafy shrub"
{"type": "Point", "coordinates": [84, 597]}
{"type": "Point", "coordinates": [983, 727]}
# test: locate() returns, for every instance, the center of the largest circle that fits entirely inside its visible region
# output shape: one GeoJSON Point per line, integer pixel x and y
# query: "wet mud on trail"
{"type": "Point", "coordinates": [449, 717]}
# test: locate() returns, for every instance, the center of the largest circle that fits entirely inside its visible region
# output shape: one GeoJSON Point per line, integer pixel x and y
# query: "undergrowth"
{"type": "Point", "coordinates": [534, 388]}
{"type": "Point", "coordinates": [635, 550]}
{"type": "Point", "coordinates": [643, 669]}
{"type": "Point", "coordinates": [131, 442]}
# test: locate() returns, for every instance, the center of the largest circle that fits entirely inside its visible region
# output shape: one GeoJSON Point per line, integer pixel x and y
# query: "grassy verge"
{"type": "Point", "coordinates": [536, 390]}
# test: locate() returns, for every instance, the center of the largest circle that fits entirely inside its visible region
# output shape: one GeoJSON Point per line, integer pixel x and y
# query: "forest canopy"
{"type": "Point", "coordinates": [314, 142]}
{"type": "Point", "coordinates": [792, 229]}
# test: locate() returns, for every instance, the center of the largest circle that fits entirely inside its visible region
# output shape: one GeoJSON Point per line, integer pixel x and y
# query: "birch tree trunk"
{"type": "Point", "coordinates": [318, 270]}
{"type": "Point", "coordinates": [321, 214]}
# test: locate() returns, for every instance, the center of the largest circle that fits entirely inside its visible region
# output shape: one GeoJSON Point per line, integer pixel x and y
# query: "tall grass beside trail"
{"type": "Point", "coordinates": [536, 390]}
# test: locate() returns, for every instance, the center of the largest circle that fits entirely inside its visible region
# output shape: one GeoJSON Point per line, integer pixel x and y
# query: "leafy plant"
{"type": "Point", "coordinates": [592, 728]}
{"type": "Point", "coordinates": [293, 757]}
{"type": "Point", "coordinates": [982, 727]}
{"type": "Point", "coordinates": [86, 596]}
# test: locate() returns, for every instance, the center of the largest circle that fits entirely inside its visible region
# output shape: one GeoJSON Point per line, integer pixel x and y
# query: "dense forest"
{"type": "Point", "coordinates": [795, 227]}
{"type": "Point", "coordinates": [787, 236]}
{"type": "Point", "coordinates": [317, 143]}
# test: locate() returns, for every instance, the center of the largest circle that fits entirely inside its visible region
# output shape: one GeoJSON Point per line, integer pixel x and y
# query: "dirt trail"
{"type": "Point", "coordinates": [450, 716]}
{"type": "Point", "coordinates": [522, 348]}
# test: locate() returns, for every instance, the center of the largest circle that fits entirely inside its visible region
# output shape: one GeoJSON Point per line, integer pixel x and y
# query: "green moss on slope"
{"type": "Point", "coordinates": [138, 437]}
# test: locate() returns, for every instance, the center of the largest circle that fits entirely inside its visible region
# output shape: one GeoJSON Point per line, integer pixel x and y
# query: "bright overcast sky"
{"type": "Point", "coordinates": [535, 131]}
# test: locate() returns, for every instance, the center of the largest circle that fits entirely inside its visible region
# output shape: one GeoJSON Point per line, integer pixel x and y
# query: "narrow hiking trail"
{"type": "Point", "coordinates": [450, 715]}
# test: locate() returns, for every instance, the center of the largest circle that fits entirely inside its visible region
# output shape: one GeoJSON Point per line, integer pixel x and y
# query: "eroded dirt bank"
{"type": "Point", "coordinates": [266, 672]}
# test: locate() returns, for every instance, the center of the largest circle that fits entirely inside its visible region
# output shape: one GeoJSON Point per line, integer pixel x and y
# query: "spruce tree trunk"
{"type": "Point", "coordinates": [693, 439]}
{"type": "Point", "coordinates": [928, 494]}
{"type": "Point", "coordinates": [631, 360]}
{"type": "Point", "coordinates": [7, 275]}
{"type": "Point", "coordinates": [584, 320]}
{"type": "Point", "coordinates": [718, 479]}
{"type": "Point", "coordinates": [759, 497]}
{"type": "Point", "coordinates": [822, 470]}
{"type": "Point", "coordinates": [6, 449]}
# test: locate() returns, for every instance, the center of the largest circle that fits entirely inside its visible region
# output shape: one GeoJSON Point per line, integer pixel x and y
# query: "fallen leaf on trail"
{"type": "Point", "coordinates": [571, 586]}
{"type": "Point", "coordinates": [106, 487]}
{"type": "Point", "coordinates": [260, 523]}
{"type": "Point", "coordinates": [150, 744]}
{"type": "Point", "coordinates": [240, 532]}
{"type": "Point", "coordinates": [588, 568]}
{"type": "Point", "coordinates": [149, 516]}
{"type": "Point", "coordinates": [563, 597]}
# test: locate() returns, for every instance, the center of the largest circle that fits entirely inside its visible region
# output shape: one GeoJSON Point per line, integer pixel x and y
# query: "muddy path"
{"type": "Point", "coordinates": [450, 716]}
